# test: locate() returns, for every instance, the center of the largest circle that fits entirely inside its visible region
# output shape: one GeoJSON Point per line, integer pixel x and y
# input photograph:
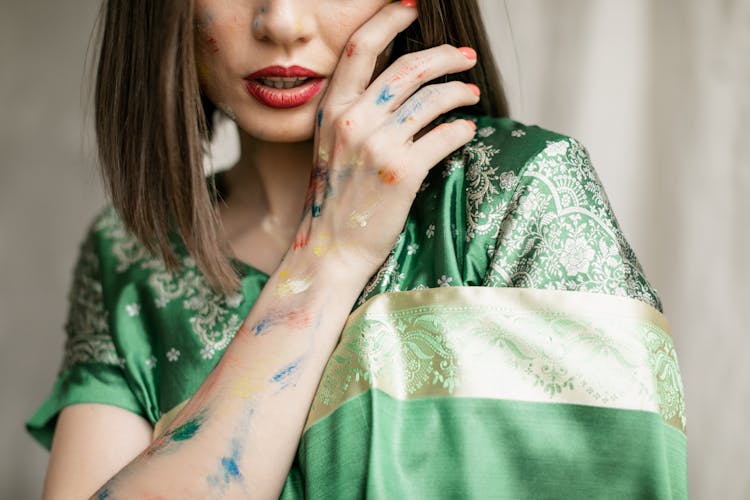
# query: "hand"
{"type": "Point", "coordinates": [368, 167]}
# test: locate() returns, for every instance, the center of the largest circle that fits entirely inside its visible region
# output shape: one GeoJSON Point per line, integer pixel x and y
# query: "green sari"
{"type": "Point", "coordinates": [510, 346]}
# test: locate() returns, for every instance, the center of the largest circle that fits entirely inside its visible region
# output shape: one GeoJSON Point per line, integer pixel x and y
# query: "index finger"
{"type": "Point", "coordinates": [354, 71]}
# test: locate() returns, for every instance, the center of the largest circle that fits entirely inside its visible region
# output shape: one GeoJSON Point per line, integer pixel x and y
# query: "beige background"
{"type": "Point", "coordinates": [658, 90]}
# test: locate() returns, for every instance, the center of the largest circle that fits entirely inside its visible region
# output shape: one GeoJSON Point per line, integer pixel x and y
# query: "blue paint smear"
{"type": "Point", "coordinates": [262, 325]}
{"type": "Point", "coordinates": [316, 210]}
{"type": "Point", "coordinates": [231, 470]}
{"type": "Point", "coordinates": [285, 372]}
{"type": "Point", "coordinates": [229, 464]}
{"type": "Point", "coordinates": [104, 494]}
{"type": "Point", "coordinates": [385, 95]}
{"type": "Point", "coordinates": [320, 118]}
{"type": "Point", "coordinates": [404, 114]}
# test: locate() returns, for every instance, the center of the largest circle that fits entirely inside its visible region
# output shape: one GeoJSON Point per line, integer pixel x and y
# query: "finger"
{"type": "Point", "coordinates": [429, 103]}
{"type": "Point", "coordinates": [410, 71]}
{"type": "Point", "coordinates": [354, 71]}
{"type": "Point", "coordinates": [441, 141]}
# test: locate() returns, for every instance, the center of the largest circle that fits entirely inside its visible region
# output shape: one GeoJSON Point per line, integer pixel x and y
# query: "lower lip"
{"type": "Point", "coordinates": [285, 98]}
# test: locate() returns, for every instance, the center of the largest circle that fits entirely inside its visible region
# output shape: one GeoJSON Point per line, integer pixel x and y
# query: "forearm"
{"type": "Point", "coordinates": [237, 435]}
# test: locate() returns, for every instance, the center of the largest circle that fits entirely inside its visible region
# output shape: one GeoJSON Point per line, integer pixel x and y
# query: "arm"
{"type": "Point", "coordinates": [92, 442]}
{"type": "Point", "coordinates": [238, 434]}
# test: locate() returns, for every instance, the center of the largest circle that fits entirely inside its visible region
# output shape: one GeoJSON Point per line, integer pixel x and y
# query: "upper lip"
{"type": "Point", "coordinates": [281, 71]}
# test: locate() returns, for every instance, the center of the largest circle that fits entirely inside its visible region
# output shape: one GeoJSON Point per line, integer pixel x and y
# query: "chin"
{"type": "Point", "coordinates": [298, 129]}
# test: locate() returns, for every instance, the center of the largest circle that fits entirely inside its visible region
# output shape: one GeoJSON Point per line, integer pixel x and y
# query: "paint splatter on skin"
{"type": "Point", "coordinates": [229, 464]}
{"type": "Point", "coordinates": [288, 375]}
{"type": "Point", "coordinates": [294, 318]}
{"type": "Point", "coordinates": [407, 111]}
{"type": "Point", "coordinates": [388, 176]}
{"type": "Point", "coordinates": [301, 241]}
{"type": "Point", "coordinates": [350, 48]}
{"type": "Point", "coordinates": [293, 286]}
{"type": "Point", "coordinates": [358, 219]}
{"type": "Point", "coordinates": [229, 470]}
{"type": "Point", "coordinates": [103, 494]}
{"type": "Point", "coordinates": [385, 96]}
{"type": "Point", "coordinates": [211, 41]}
{"type": "Point", "coordinates": [260, 327]}
{"type": "Point", "coordinates": [183, 432]}
{"type": "Point", "coordinates": [321, 187]}
{"type": "Point", "coordinates": [320, 118]}
{"type": "Point", "coordinates": [284, 374]}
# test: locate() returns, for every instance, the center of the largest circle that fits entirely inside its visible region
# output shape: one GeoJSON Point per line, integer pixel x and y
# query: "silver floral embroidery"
{"type": "Point", "coordinates": [387, 275]}
{"type": "Point", "coordinates": [483, 212]}
{"type": "Point", "coordinates": [211, 316]}
{"type": "Point", "coordinates": [559, 232]}
{"type": "Point", "coordinates": [88, 336]}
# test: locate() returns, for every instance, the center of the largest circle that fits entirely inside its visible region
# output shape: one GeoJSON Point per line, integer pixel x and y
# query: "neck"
{"type": "Point", "coordinates": [271, 178]}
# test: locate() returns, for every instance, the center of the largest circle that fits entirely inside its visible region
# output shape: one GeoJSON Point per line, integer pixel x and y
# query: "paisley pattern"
{"type": "Point", "coordinates": [504, 343]}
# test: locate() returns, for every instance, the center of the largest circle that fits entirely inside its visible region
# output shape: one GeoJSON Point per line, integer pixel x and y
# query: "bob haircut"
{"type": "Point", "coordinates": [153, 124]}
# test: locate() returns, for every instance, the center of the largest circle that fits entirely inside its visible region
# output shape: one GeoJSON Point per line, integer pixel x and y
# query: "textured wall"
{"type": "Point", "coordinates": [656, 89]}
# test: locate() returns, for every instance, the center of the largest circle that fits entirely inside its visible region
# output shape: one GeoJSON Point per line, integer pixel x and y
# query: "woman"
{"type": "Point", "coordinates": [480, 329]}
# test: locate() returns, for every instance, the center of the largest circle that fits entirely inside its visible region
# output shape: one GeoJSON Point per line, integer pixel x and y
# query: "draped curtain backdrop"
{"type": "Point", "coordinates": [657, 90]}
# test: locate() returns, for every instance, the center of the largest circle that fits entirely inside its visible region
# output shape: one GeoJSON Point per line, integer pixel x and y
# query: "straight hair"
{"type": "Point", "coordinates": [153, 123]}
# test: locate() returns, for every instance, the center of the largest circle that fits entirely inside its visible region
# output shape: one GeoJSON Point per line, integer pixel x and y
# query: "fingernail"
{"type": "Point", "coordinates": [474, 89]}
{"type": "Point", "coordinates": [468, 52]}
{"type": "Point", "coordinates": [472, 124]}
{"type": "Point", "coordinates": [409, 3]}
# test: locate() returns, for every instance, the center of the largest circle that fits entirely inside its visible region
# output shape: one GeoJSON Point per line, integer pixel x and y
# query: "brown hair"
{"type": "Point", "coordinates": [153, 123]}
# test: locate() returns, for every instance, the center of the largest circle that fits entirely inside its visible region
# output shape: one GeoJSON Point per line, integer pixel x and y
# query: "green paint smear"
{"type": "Point", "coordinates": [187, 430]}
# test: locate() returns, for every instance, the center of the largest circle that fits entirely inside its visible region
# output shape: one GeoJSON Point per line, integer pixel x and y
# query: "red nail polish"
{"type": "Point", "coordinates": [409, 3]}
{"type": "Point", "coordinates": [468, 52]}
{"type": "Point", "coordinates": [474, 89]}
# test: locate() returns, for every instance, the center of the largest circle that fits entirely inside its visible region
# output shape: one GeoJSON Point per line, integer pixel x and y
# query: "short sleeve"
{"type": "Point", "coordinates": [559, 231]}
{"type": "Point", "coordinates": [92, 368]}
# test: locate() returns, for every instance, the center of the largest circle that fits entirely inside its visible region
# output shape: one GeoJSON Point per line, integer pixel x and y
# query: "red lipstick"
{"type": "Point", "coordinates": [266, 91]}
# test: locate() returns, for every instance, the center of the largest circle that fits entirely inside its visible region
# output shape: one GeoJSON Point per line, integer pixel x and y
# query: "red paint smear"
{"type": "Point", "coordinates": [350, 49]}
{"type": "Point", "coordinates": [421, 75]}
{"type": "Point", "coordinates": [301, 241]}
{"type": "Point", "coordinates": [213, 43]}
{"type": "Point", "coordinates": [299, 319]}
{"type": "Point", "coordinates": [348, 123]}
{"type": "Point", "coordinates": [388, 176]}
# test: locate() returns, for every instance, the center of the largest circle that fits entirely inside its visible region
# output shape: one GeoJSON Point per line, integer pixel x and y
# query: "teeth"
{"type": "Point", "coordinates": [283, 82]}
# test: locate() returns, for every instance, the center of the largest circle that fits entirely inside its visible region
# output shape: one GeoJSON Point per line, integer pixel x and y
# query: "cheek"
{"type": "Point", "coordinates": [342, 20]}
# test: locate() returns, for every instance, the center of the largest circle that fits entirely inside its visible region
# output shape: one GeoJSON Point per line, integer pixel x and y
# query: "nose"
{"type": "Point", "coordinates": [284, 22]}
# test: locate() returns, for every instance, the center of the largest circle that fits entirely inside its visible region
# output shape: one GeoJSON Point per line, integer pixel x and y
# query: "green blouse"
{"type": "Point", "coordinates": [519, 206]}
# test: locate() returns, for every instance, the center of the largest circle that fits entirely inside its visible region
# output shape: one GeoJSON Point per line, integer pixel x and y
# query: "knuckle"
{"type": "Point", "coordinates": [429, 92]}
{"type": "Point", "coordinates": [371, 148]}
{"type": "Point", "coordinates": [363, 42]}
{"type": "Point", "coordinates": [413, 61]}
{"type": "Point", "coordinates": [340, 123]}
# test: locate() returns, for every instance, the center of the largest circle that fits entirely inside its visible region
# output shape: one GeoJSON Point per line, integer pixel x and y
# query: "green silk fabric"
{"type": "Point", "coordinates": [518, 207]}
{"type": "Point", "coordinates": [446, 448]}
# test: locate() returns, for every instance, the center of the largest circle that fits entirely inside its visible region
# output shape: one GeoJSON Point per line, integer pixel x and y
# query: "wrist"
{"type": "Point", "coordinates": [322, 271]}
